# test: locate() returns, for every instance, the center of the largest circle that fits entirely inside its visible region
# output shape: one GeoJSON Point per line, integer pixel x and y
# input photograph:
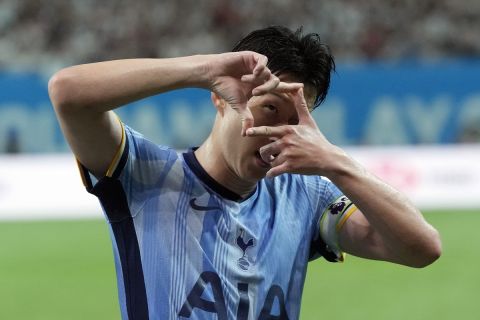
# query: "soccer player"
{"type": "Point", "coordinates": [225, 230]}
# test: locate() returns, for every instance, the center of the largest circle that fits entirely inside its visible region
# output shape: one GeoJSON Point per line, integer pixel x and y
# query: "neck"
{"type": "Point", "coordinates": [213, 162]}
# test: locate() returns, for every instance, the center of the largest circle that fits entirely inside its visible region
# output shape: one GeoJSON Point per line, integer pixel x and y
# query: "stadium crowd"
{"type": "Point", "coordinates": [49, 34]}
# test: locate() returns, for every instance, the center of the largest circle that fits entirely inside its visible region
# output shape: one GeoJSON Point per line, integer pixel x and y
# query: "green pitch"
{"type": "Point", "coordinates": [64, 270]}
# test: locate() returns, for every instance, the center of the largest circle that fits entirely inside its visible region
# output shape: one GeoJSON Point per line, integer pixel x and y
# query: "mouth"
{"type": "Point", "coordinates": [262, 162]}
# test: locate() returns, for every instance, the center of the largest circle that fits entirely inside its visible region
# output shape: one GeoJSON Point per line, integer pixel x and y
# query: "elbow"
{"type": "Point", "coordinates": [429, 252]}
{"type": "Point", "coordinates": [61, 89]}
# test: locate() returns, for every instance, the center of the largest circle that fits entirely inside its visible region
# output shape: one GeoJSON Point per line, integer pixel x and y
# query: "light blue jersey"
{"type": "Point", "coordinates": [187, 248]}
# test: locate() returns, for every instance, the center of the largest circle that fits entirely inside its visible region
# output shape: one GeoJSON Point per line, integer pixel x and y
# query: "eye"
{"type": "Point", "coordinates": [271, 108]}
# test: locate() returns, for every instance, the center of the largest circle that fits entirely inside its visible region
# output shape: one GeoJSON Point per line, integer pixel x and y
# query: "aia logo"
{"type": "Point", "coordinates": [244, 244]}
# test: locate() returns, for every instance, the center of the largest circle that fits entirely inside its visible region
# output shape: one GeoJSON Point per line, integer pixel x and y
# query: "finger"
{"type": "Point", "coordinates": [278, 160]}
{"type": "Point", "coordinates": [268, 86]}
{"type": "Point", "coordinates": [264, 75]}
{"type": "Point", "coordinates": [280, 87]}
{"type": "Point", "coordinates": [266, 131]}
{"type": "Point", "coordinates": [259, 79]}
{"type": "Point", "coordinates": [259, 69]}
{"type": "Point", "coordinates": [249, 78]}
{"type": "Point", "coordinates": [277, 170]}
{"type": "Point", "coordinates": [247, 120]}
{"type": "Point", "coordinates": [270, 151]}
{"type": "Point", "coordinates": [261, 64]}
{"type": "Point", "coordinates": [301, 106]}
{"type": "Point", "coordinates": [284, 87]}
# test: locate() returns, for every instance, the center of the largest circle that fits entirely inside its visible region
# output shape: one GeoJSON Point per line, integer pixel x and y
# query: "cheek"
{"type": "Point", "coordinates": [231, 119]}
{"type": "Point", "coordinates": [233, 143]}
{"type": "Point", "coordinates": [230, 134]}
{"type": "Point", "coordinates": [260, 118]}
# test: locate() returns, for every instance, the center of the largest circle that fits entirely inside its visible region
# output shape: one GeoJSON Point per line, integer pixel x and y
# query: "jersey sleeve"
{"type": "Point", "coordinates": [138, 169]}
{"type": "Point", "coordinates": [332, 209]}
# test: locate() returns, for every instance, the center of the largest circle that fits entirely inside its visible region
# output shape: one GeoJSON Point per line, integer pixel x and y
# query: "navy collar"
{"type": "Point", "coordinates": [194, 165]}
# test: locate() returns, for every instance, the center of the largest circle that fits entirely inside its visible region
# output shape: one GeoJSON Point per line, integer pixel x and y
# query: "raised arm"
{"type": "Point", "coordinates": [387, 225]}
{"type": "Point", "coordinates": [84, 95]}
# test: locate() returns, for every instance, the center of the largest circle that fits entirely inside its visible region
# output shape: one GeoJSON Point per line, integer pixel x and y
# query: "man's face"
{"type": "Point", "coordinates": [241, 154]}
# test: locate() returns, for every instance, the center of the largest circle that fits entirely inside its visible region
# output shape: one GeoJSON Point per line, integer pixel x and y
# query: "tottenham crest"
{"type": "Point", "coordinates": [244, 243]}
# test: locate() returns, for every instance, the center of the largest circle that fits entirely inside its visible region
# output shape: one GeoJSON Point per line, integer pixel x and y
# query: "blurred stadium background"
{"type": "Point", "coordinates": [405, 101]}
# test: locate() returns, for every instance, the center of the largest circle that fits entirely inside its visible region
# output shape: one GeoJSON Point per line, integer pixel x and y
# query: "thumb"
{"type": "Point", "coordinates": [301, 107]}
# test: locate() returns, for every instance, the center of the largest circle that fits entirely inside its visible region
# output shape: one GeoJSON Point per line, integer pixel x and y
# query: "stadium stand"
{"type": "Point", "coordinates": [38, 36]}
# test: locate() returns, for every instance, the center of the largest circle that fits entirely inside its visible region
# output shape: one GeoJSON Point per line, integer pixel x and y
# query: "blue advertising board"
{"type": "Point", "coordinates": [374, 103]}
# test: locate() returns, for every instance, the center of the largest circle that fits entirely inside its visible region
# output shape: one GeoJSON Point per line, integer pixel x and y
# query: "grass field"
{"type": "Point", "coordinates": [64, 270]}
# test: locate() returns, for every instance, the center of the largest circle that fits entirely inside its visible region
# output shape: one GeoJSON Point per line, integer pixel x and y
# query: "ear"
{"type": "Point", "coordinates": [219, 103]}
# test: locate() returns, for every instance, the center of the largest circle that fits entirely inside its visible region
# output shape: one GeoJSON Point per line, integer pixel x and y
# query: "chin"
{"type": "Point", "coordinates": [257, 176]}
{"type": "Point", "coordinates": [252, 168]}
{"type": "Point", "coordinates": [254, 173]}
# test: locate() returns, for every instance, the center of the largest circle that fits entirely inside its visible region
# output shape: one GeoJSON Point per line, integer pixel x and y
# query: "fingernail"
{"type": "Point", "coordinates": [250, 131]}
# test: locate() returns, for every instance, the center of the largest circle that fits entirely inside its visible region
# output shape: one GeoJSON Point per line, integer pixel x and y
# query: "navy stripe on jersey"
{"type": "Point", "coordinates": [114, 201]}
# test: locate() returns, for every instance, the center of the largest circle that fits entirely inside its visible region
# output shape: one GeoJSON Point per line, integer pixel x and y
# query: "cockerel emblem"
{"type": "Point", "coordinates": [244, 244]}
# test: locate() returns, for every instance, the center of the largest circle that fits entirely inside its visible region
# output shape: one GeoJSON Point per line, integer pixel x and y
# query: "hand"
{"type": "Point", "coordinates": [237, 76]}
{"type": "Point", "coordinates": [300, 148]}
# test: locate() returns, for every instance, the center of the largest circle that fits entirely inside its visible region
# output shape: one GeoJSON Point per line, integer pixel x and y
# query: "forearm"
{"type": "Point", "coordinates": [392, 217]}
{"type": "Point", "coordinates": [391, 228]}
{"type": "Point", "coordinates": [103, 86]}
{"type": "Point", "coordinates": [83, 95]}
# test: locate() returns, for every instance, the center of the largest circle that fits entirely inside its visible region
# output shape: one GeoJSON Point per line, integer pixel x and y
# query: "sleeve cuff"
{"type": "Point", "coordinates": [89, 180]}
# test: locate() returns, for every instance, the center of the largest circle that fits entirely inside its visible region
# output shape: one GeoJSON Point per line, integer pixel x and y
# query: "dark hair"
{"type": "Point", "coordinates": [304, 57]}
